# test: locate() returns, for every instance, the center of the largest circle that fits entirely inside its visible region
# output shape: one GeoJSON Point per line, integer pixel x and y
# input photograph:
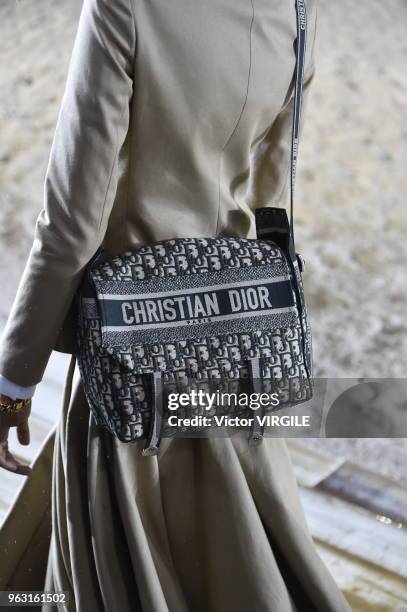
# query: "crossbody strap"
{"type": "Point", "coordinates": [272, 223]}
{"type": "Point", "coordinates": [299, 79]}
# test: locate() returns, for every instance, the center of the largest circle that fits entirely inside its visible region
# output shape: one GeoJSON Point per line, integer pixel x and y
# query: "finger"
{"type": "Point", "coordinates": [23, 433]}
{"type": "Point", "coordinates": [4, 434]}
{"type": "Point", "coordinates": [12, 464]}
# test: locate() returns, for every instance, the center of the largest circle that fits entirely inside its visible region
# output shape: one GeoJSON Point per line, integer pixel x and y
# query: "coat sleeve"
{"type": "Point", "coordinates": [7, 387]}
{"type": "Point", "coordinates": [80, 186]}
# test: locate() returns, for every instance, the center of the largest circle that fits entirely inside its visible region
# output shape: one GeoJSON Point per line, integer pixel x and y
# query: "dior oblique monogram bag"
{"type": "Point", "coordinates": [191, 311]}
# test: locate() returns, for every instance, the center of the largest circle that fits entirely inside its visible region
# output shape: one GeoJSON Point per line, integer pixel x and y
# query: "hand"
{"type": "Point", "coordinates": [19, 420]}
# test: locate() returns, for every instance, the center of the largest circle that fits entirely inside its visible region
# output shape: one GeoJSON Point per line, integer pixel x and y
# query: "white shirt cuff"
{"type": "Point", "coordinates": [15, 391]}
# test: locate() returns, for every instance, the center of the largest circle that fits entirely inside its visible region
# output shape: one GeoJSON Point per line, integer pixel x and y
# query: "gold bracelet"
{"type": "Point", "coordinates": [14, 407]}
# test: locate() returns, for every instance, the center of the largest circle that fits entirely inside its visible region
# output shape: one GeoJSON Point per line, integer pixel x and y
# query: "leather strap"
{"type": "Point", "coordinates": [257, 431]}
{"type": "Point", "coordinates": [154, 436]}
{"type": "Point", "coordinates": [271, 222]}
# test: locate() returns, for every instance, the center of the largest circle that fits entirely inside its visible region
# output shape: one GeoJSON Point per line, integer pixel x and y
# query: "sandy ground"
{"type": "Point", "coordinates": [351, 215]}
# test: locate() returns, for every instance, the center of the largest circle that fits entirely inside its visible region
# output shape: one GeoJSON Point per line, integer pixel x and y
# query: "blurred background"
{"type": "Point", "coordinates": [351, 214]}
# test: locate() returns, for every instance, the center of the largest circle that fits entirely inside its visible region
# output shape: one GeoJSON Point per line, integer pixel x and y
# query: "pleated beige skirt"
{"type": "Point", "coordinates": [208, 525]}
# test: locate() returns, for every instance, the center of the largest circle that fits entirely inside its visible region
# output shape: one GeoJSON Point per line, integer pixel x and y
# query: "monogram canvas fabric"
{"type": "Point", "coordinates": [196, 310]}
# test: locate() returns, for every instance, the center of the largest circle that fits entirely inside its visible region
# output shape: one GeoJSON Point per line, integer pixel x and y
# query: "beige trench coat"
{"type": "Point", "coordinates": [175, 122]}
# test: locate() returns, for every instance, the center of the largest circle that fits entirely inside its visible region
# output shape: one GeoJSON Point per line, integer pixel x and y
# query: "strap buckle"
{"type": "Point", "coordinates": [257, 432]}
{"type": "Point", "coordinates": [154, 436]}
